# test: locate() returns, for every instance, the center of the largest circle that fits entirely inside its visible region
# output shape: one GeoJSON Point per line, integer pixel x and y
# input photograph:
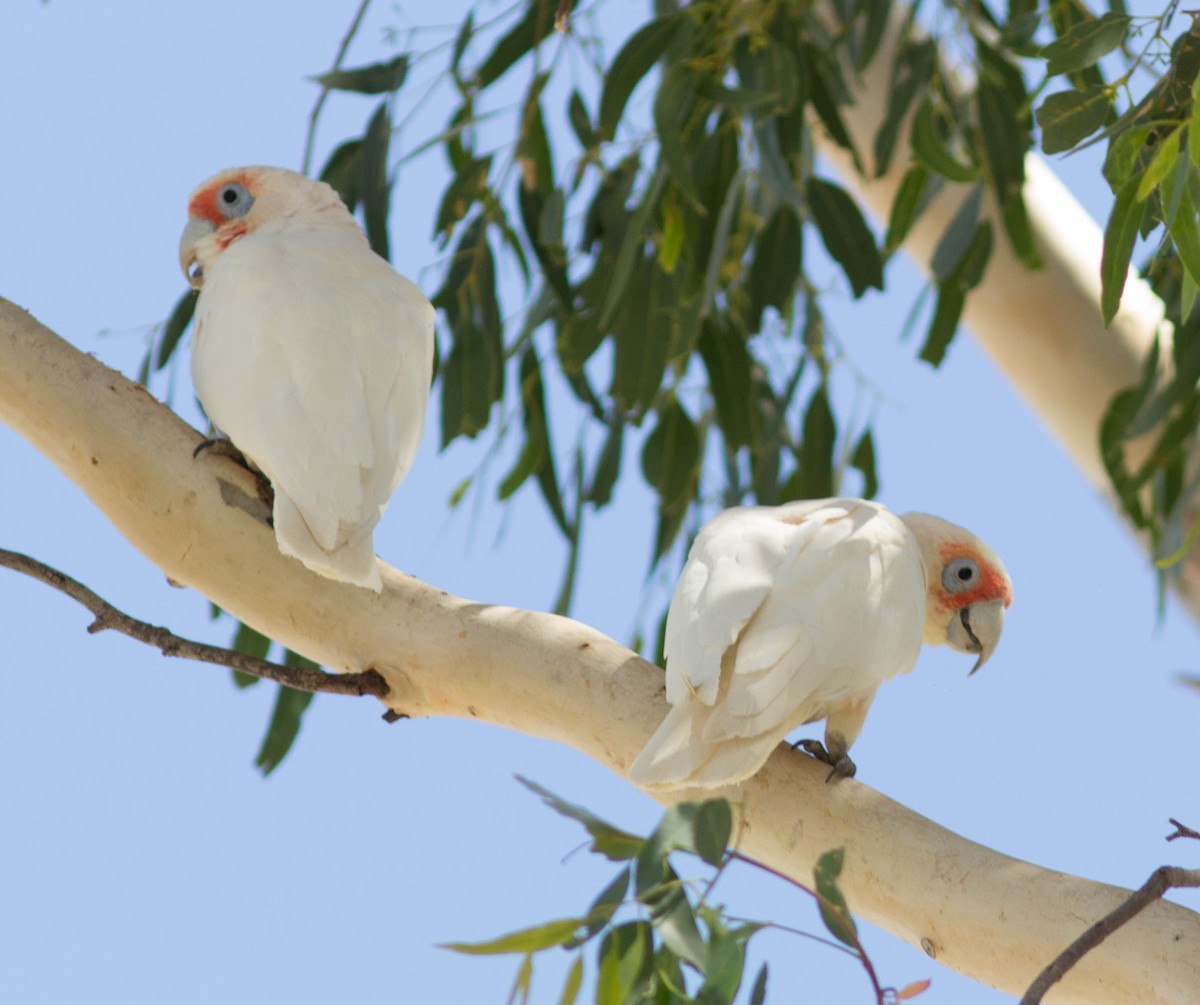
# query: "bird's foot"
{"type": "Point", "coordinates": [840, 766]}
{"type": "Point", "coordinates": [224, 448]}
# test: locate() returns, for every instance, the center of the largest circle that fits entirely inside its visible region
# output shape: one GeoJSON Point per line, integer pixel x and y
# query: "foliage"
{"type": "Point", "coordinates": [651, 238]}
{"type": "Point", "coordinates": [655, 938]}
{"type": "Point", "coordinates": [1149, 434]}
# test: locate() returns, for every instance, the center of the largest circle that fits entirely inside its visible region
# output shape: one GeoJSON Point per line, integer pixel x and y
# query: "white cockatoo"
{"type": "Point", "coordinates": [788, 614]}
{"type": "Point", "coordinates": [311, 354]}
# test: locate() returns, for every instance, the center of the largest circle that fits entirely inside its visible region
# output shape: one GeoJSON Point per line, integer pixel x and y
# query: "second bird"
{"type": "Point", "coordinates": [788, 614]}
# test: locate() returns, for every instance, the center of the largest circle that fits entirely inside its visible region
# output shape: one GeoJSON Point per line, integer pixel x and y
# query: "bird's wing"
{"type": "Point", "coordinates": [314, 357]}
{"type": "Point", "coordinates": [845, 612]}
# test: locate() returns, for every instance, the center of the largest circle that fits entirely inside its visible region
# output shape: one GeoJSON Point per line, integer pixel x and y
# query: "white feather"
{"type": "Point", "coordinates": [314, 357]}
{"type": "Point", "coordinates": [780, 613]}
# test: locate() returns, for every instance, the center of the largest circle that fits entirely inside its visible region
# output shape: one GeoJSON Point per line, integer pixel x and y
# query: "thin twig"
{"type": "Point", "coordinates": [1182, 831]}
{"type": "Point", "coordinates": [337, 65]}
{"type": "Point", "coordinates": [1164, 878]}
{"type": "Point", "coordinates": [169, 644]}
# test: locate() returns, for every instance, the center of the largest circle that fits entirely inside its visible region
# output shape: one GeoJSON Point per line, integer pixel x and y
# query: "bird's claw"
{"type": "Point", "coordinates": [222, 447]}
{"type": "Point", "coordinates": [840, 767]}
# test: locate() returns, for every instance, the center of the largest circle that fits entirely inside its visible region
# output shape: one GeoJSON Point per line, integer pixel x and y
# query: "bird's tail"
{"type": "Point", "coordinates": [353, 562]}
{"type": "Point", "coordinates": [678, 757]}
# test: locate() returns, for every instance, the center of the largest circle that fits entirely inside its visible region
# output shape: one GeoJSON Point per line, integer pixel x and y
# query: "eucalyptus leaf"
{"type": "Point", "coordinates": [378, 78]}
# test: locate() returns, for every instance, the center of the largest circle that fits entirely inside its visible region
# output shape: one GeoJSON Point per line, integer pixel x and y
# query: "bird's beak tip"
{"type": "Point", "coordinates": [196, 230]}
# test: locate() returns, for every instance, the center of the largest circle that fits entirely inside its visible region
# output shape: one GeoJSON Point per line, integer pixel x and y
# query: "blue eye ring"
{"type": "Point", "coordinates": [233, 200]}
{"type": "Point", "coordinates": [960, 574]}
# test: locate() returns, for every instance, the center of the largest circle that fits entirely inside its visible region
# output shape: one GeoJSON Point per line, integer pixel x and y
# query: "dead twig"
{"type": "Point", "coordinates": [1182, 831]}
{"type": "Point", "coordinates": [170, 644]}
{"type": "Point", "coordinates": [1164, 878]}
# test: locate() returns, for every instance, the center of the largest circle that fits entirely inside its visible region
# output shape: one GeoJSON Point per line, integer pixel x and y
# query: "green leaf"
{"type": "Point", "coordinates": [834, 912]}
{"type": "Point", "coordinates": [473, 372]}
{"type": "Point", "coordinates": [672, 109]}
{"type": "Point", "coordinates": [1185, 230]}
{"type": "Point", "coordinates": [952, 294]}
{"type": "Point", "coordinates": [671, 455]}
{"type": "Point", "coordinates": [537, 455]}
{"type": "Point", "coordinates": [528, 32]}
{"type": "Point", "coordinates": [630, 65]}
{"type": "Point", "coordinates": [378, 78]}
{"type": "Point", "coordinates": [712, 824]}
{"type": "Point", "coordinates": [1193, 132]}
{"type": "Point", "coordinates": [772, 72]}
{"type": "Point", "coordinates": [929, 148]}
{"type": "Point", "coordinates": [1119, 236]}
{"type": "Point", "coordinates": [911, 197]}
{"type": "Point", "coordinates": [343, 171]}
{"type": "Point", "coordinates": [814, 475]}
{"type": "Point", "coordinates": [611, 842]}
{"type": "Point", "coordinates": [863, 460]}
{"type": "Point", "coordinates": [247, 640]}
{"type": "Point", "coordinates": [285, 720]}
{"type": "Point", "coordinates": [724, 962]}
{"type": "Point", "coordinates": [608, 464]}
{"type": "Point", "coordinates": [468, 187]}
{"type": "Point", "coordinates": [1124, 154]}
{"type": "Point", "coordinates": [581, 122]}
{"type": "Point", "coordinates": [1160, 165]}
{"type": "Point", "coordinates": [606, 903]}
{"type": "Point", "coordinates": [523, 984]}
{"type": "Point", "coordinates": [181, 317]}
{"type": "Point", "coordinates": [573, 983]}
{"type": "Point", "coordinates": [374, 187]}
{"type": "Point", "coordinates": [911, 73]}
{"type": "Point", "coordinates": [958, 236]}
{"type": "Point", "coordinates": [625, 963]}
{"type": "Point", "coordinates": [728, 364]}
{"type": "Point", "coordinates": [1084, 43]}
{"type": "Point", "coordinates": [675, 923]}
{"type": "Point", "coordinates": [1005, 139]}
{"type": "Point", "coordinates": [845, 235]}
{"type": "Point", "coordinates": [950, 302]}
{"type": "Point", "coordinates": [775, 268]}
{"type": "Point", "coordinates": [701, 828]}
{"type": "Point", "coordinates": [758, 994]}
{"type": "Point", "coordinates": [1068, 117]}
{"type": "Point", "coordinates": [527, 940]}
{"type": "Point", "coordinates": [646, 329]}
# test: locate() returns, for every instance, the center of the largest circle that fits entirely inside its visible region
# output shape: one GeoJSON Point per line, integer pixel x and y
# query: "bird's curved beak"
{"type": "Point", "coordinates": [196, 230]}
{"type": "Point", "coordinates": [976, 629]}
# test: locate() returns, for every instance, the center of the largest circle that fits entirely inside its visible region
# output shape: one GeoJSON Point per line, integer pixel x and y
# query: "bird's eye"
{"type": "Point", "coordinates": [960, 574]}
{"type": "Point", "coordinates": [233, 200]}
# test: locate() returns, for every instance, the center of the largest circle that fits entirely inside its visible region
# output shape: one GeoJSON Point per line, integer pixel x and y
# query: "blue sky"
{"type": "Point", "coordinates": [142, 859]}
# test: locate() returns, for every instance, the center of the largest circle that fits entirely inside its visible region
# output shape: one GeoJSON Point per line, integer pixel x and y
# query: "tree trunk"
{"type": "Point", "coordinates": [980, 912]}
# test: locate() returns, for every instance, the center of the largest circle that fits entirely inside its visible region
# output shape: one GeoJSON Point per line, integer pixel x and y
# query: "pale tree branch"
{"type": "Point", "coordinates": [1164, 878]}
{"type": "Point", "coordinates": [170, 644]}
{"type": "Point", "coordinates": [978, 911]}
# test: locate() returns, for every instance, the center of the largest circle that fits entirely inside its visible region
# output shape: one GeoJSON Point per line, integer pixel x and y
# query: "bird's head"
{"type": "Point", "coordinates": [967, 587]}
{"type": "Point", "coordinates": [240, 201]}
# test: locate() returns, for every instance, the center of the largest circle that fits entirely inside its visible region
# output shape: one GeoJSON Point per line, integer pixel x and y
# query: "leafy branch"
{"type": "Point", "coordinates": [665, 944]}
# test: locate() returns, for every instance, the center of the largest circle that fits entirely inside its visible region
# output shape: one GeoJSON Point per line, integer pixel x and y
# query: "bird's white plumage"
{"type": "Point", "coordinates": [314, 357]}
{"type": "Point", "coordinates": [781, 614]}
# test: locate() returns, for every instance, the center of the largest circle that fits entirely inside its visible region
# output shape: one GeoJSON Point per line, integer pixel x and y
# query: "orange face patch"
{"type": "Point", "coordinates": [204, 202]}
{"type": "Point", "coordinates": [992, 584]}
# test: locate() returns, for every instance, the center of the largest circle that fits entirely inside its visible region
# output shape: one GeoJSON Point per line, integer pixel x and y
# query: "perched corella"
{"type": "Point", "coordinates": [311, 354]}
{"type": "Point", "coordinates": [788, 614]}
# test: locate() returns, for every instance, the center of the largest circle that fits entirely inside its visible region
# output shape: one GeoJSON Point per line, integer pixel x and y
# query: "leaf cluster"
{"type": "Point", "coordinates": [651, 937]}
{"type": "Point", "coordinates": [1148, 437]}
